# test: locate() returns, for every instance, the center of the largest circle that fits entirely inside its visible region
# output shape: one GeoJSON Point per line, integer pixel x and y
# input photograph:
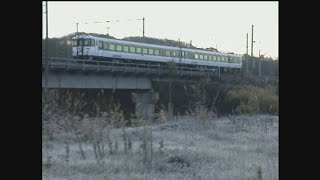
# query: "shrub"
{"type": "Point", "coordinates": [253, 100]}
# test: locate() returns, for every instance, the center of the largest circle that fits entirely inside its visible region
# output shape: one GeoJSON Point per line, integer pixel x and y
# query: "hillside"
{"type": "Point", "coordinates": [61, 47]}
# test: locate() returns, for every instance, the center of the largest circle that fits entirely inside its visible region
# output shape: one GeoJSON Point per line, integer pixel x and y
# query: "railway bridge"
{"type": "Point", "coordinates": [93, 74]}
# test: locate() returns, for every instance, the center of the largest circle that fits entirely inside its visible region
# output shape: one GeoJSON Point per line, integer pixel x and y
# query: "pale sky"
{"type": "Point", "coordinates": [208, 24]}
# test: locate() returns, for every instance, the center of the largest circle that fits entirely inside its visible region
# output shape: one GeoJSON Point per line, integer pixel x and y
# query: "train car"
{"type": "Point", "coordinates": [90, 47]}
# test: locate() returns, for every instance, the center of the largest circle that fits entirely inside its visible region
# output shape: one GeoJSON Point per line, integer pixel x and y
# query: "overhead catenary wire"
{"type": "Point", "coordinates": [114, 21]}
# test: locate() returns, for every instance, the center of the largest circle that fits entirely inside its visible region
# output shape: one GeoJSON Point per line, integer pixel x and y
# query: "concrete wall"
{"type": "Point", "coordinates": [93, 80]}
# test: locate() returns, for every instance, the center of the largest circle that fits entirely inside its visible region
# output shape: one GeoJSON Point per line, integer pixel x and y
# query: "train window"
{"type": "Point", "coordinates": [138, 50]}
{"type": "Point", "coordinates": [119, 48]}
{"type": "Point", "coordinates": [173, 53]}
{"type": "Point", "coordinates": [86, 42]}
{"type": "Point", "coordinates": [205, 57]}
{"type": "Point", "coordinates": [74, 42]}
{"type": "Point", "coordinates": [125, 48]}
{"type": "Point", "coordinates": [111, 47]}
{"type": "Point", "coordinates": [144, 50]}
{"type": "Point", "coordinates": [210, 58]}
{"type": "Point", "coordinates": [218, 58]}
{"type": "Point", "coordinates": [191, 55]}
{"type": "Point", "coordinates": [80, 42]}
{"type": "Point", "coordinates": [151, 51]}
{"type": "Point", "coordinates": [100, 45]}
{"type": "Point", "coordinates": [167, 53]}
{"type": "Point", "coordinates": [186, 54]}
{"type": "Point", "coordinates": [161, 52]}
{"type": "Point", "coordinates": [196, 56]}
{"type": "Point", "coordinates": [201, 56]}
{"type": "Point", "coordinates": [132, 49]}
{"type": "Point", "coordinates": [156, 52]}
{"type": "Point", "coordinates": [105, 45]}
{"type": "Point", "coordinates": [93, 42]}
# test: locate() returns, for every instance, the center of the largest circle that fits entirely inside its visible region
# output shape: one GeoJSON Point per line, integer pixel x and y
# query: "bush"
{"type": "Point", "coordinates": [254, 100]}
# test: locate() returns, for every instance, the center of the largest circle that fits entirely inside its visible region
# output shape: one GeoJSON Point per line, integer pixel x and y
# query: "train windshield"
{"type": "Point", "coordinates": [83, 42]}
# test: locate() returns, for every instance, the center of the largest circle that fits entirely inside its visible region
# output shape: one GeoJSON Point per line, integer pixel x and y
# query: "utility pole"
{"type": "Point", "coordinates": [259, 64]}
{"type": "Point", "coordinates": [108, 30]}
{"type": "Point", "coordinates": [252, 42]}
{"type": "Point", "coordinates": [47, 53]}
{"type": "Point", "coordinates": [252, 51]}
{"type": "Point", "coordinates": [77, 28]}
{"type": "Point", "coordinates": [247, 44]}
{"type": "Point", "coordinates": [143, 27]}
{"type": "Point", "coordinates": [259, 53]}
{"type": "Point", "coordinates": [247, 59]}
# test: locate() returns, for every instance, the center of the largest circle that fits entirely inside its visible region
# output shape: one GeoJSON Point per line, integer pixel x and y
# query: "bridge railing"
{"type": "Point", "coordinates": [55, 63]}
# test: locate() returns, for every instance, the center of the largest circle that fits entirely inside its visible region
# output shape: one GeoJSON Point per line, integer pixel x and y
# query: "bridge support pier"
{"type": "Point", "coordinates": [145, 103]}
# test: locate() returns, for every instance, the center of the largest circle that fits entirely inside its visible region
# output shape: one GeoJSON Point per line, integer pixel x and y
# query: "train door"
{"type": "Point", "coordinates": [82, 48]}
{"type": "Point", "coordinates": [100, 49]}
{"type": "Point", "coordinates": [96, 53]}
{"type": "Point", "coordinates": [80, 43]}
{"type": "Point", "coordinates": [183, 55]}
{"type": "Point", "coordinates": [229, 59]}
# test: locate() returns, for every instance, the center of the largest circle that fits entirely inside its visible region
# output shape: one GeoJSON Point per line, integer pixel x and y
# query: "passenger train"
{"type": "Point", "coordinates": [91, 47]}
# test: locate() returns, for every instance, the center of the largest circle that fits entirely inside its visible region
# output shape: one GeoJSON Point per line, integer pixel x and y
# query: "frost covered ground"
{"type": "Point", "coordinates": [235, 147]}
